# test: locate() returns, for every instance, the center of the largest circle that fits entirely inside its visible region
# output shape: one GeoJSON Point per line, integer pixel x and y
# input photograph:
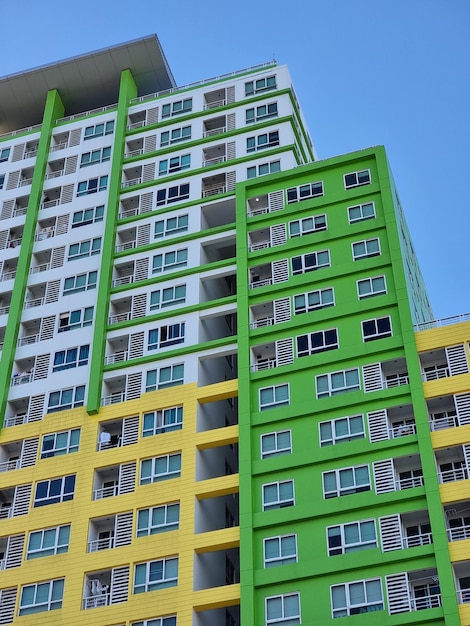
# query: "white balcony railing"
{"type": "Point", "coordinates": [133, 153]}
{"type": "Point", "coordinates": [6, 512]}
{"type": "Point", "coordinates": [122, 280]}
{"type": "Point", "coordinates": [4, 310]}
{"type": "Point", "coordinates": [30, 153]}
{"type": "Point", "coordinates": [402, 431]}
{"type": "Point", "coordinates": [128, 245]}
{"type": "Point", "coordinates": [450, 476]}
{"type": "Point", "coordinates": [30, 304]}
{"type": "Point", "coordinates": [463, 596]}
{"type": "Point", "coordinates": [117, 357]}
{"type": "Point", "coordinates": [114, 398]}
{"type": "Point", "coordinates": [25, 182]}
{"type": "Point", "coordinates": [456, 534]}
{"type": "Point", "coordinates": [51, 175]}
{"type": "Point", "coordinates": [215, 131]}
{"type": "Point", "coordinates": [263, 364]}
{"type": "Point", "coordinates": [15, 420]}
{"type": "Point", "coordinates": [44, 233]}
{"type": "Point", "coordinates": [59, 146]}
{"type": "Point", "coordinates": [28, 340]}
{"type": "Point", "coordinates": [261, 245]}
{"type": "Point", "coordinates": [101, 544]}
{"type": "Point", "coordinates": [118, 317]}
{"type": "Point", "coordinates": [441, 423]}
{"type": "Point", "coordinates": [6, 466]}
{"type": "Point", "coordinates": [213, 191]}
{"type": "Point", "coordinates": [105, 492]}
{"type": "Point", "coordinates": [8, 275]}
{"type": "Point", "coordinates": [131, 182]}
{"type": "Point", "coordinates": [409, 483]}
{"type": "Point", "coordinates": [18, 211]}
{"type": "Point", "coordinates": [423, 539]}
{"type": "Point", "coordinates": [260, 283]}
{"type": "Point", "coordinates": [21, 378]}
{"type": "Point", "coordinates": [47, 204]}
{"type": "Point", "coordinates": [426, 602]}
{"type": "Point", "coordinates": [36, 269]}
{"type": "Point", "coordinates": [92, 602]}
{"type": "Point", "coordinates": [214, 104]}
{"type": "Point", "coordinates": [213, 161]}
{"type": "Point", "coordinates": [436, 372]}
{"type": "Point", "coordinates": [262, 321]}
{"type": "Point", "coordinates": [396, 381]}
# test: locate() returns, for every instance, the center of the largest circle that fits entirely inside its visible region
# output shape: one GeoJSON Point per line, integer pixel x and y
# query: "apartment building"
{"type": "Point", "coordinates": [189, 297]}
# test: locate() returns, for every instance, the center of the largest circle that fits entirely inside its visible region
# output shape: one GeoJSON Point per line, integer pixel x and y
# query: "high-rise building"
{"type": "Point", "coordinates": [210, 376]}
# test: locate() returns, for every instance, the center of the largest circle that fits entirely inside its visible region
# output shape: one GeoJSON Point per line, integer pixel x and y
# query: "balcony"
{"type": "Point", "coordinates": [413, 591]}
{"type": "Point", "coordinates": [462, 577]}
{"type": "Point", "coordinates": [441, 363]}
{"type": "Point", "coordinates": [392, 423]}
{"type": "Point", "coordinates": [132, 176]}
{"type": "Point", "coordinates": [106, 587]}
{"type": "Point", "coordinates": [214, 185]}
{"type": "Point", "coordinates": [214, 99]}
{"type": "Point", "coordinates": [398, 474]}
{"type": "Point", "coordinates": [452, 464]}
{"type": "Point", "coordinates": [458, 520]}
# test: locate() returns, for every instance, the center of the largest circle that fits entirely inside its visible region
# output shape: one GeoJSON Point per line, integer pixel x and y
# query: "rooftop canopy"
{"type": "Point", "coordinates": [85, 82]}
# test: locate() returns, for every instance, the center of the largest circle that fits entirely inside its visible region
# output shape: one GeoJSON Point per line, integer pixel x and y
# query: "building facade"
{"type": "Point", "coordinates": [189, 297]}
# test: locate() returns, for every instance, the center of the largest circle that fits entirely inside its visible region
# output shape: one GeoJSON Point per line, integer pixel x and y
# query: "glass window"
{"type": "Point", "coordinates": [84, 249]}
{"type": "Point", "coordinates": [54, 491]}
{"type": "Point", "coordinates": [162, 421]}
{"type": "Point", "coordinates": [310, 262]}
{"type": "Point", "coordinates": [82, 282]}
{"type": "Point", "coordinates": [280, 550]}
{"type": "Point", "coordinates": [307, 225]}
{"type": "Point", "coordinates": [177, 108]}
{"type": "Point", "coordinates": [278, 495]}
{"type": "Point", "coordinates": [160, 468]}
{"type": "Point", "coordinates": [156, 575]}
{"type": "Point", "coordinates": [93, 185]}
{"type": "Point", "coordinates": [262, 84]}
{"type": "Point", "coordinates": [276, 444]}
{"type": "Point", "coordinates": [171, 226]}
{"type": "Point", "coordinates": [158, 519]}
{"type": "Point", "coordinates": [177, 134]}
{"type": "Point", "coordinates": [261, 112]}
{"type": "Point", "coordinates": [342, 429]}
{"type": "Point", "coordinates": [4, 154]}
{"type": "Point", "coordinates": [263, 169]}
{"type": "Point", "coordinates": [360, 212]}
{"type": "Point", "coordinates": [365, 249]}
{"type": "Point", "coordinates": [351, 537]}
{"type": "Point", "coordinates": [361, 596]}
{"type": "Point", "coordinates": [57, 444]}
{"type": "Point", "coordinates": [165, 377]}
{"type": "Point", "coordinates": [284, 609]}
{"type": "Point", "coordinates": [371, 287]}
{"type": "Point", "coordinates": [302, 192]}
{"type": "Point", "coordinates": [276, 396]}
{"type": "Point", "coordinates": [347, 481]}
{"type": "Point", "coordinates": [337, 382]}
{"type": "Point", "coordinates": [266, 140]}
{"type": "Point", "coordinates": [66, 399]}
{"type": "Point", "coordinates": [306, 302]}
{"type": "Point", "coordinates": [157, 621]}
{"type": "Point", "coordinates": [88, 216]}
{"type": "Point", "coordinates": [377, 329]}
{"type": "Point", "coordinates": [356, 178]}
{"type": "Point", "coordinates": [320, 341]}
{"type": "Point", "coordinates": [98, 130]}
{"type": "Point", "coordinates": [41, 597]}
{"type": "Point", "coordinates": [48, 542]}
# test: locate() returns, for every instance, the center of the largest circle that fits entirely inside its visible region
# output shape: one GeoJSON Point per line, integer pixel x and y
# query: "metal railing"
{"type": "Point", "coordinates": [436, 372]}
{"type": "Point", "coordinates": [117, 357]}
{"type": "Point", "coordinates": [4, 310]}
{"type": "Point", "coordinates": [444, 321]}
{"type": "Point", "coordinates": [214, 131]}
{"type": "Point", "coordinates": [214, 161]}
{"type": "Point", "coordinates": [133, 153]}
{"type": "Point", "coordinates": [409, 483]}
{"type": "Point", "coordinates": [402, 431]}
{"type": "Point", "coordinates": [36, 269]}
{"type": "Point", "coordinates": [450, 476]}
{"type": "Point", "coordinates": [20, 211]}
{"type": "Point", "coordinates": [92, 602]}
{"type": "Point", "coordinates": [49, 203]}
{"type": "Point", "coordinates": [426, 602]}
{"type": "Point", "coordinates": [215, 104]}
{"type": "Point", "coordinates": [6, 466]}
{"type": "Point", "coordinates": [24, 182]}
{"type": "Point", "coordinates": [6, 512]}
{"type": "Point", "coordinates": [77, 116]}
{"type": "Point", "coordinates": [422, 539]}
{"type": "Point", "coordinates": [123, 280]}
{"type": "Point", "coordinates": [15, 420]}
{"type": "Point", "coordinates": [28, 340]}
{"type": "Point", "coordinates": [264, 364]}
{"type": "Point", "coordinates": [59, 146]}
{"type": "Point", "coordinates": [19, 131]}
{"type": "Point", "coordinates": [262, 321]}
{"type": "Point", "coordinates": [128, 245]}
{"type": "Point", "coordinates": [119, 317]}
{"type": "Point", "coordinates": [105, 492]}
{"type": "Point", "coordinates": [8, 275]}
{"type": "Point", "coordinates": [262, 245]}
{"type": "Point", "coordinates": [114, 398]}
{"type": "Point", "coordinates": [396, 381]}
{"type": "Point", "coordinates": [22, 378]}
{"type": "Point", "coordinates": [45, 233]}
{"type": "Point", "coordinates": [261, 283]}
{"type": "Point", "coordinates": [131, 183]}
{"type": "Point", "coordinates": [213, 191]}
{"type": "Point", "coordinates": [101, 544]}
{"type": "Point", "coordinates": [51, 175]}
{"type": "Point", "coordinates": [463, 596]}
{"type": "Point", "coordinates": [441, 423]}
{"type": "Point", "coordinates": [458, 533]}
{"type": "Point", "coordinates": [29, 304]}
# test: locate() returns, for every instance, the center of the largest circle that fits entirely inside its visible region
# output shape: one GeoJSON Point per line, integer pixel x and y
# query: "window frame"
{"type": "Point", "coordinates": [364, 174]}
{"type": "Point", "coordinates": [99, 155]}
{"type": "Point", "coordinates": [379, 333]}
{"type": "Point", "coordinates": [169, 620]}
{"type": "Point", "coordinates": [150, 584]}
{"type": "Point", "coordinates": [174, 164]}
{"type": "Point", "coordinates": [348, 490]}
{"type": "Point", "coordinates": [5, 154]}
{"type": "Point", "coordinates": [171, 382]}
{"type": "Point", "coordinates": [164, 302]}
{"type": "Point", "coordinates": [77, 399]}
{"type": "Point", "coordinates": [252, 87]}
{"type": "Point", "coordinates": [66, 484]}
{"type": "Point", "coordinates": [170, 419]}
{"type": "Point", "coordinates": [58, 450]}
{"type": "Point", "coordinates": [269, 139]}
{"type": "Point", "coordinates": [85, 318]}
{"type": "Point", "coordinates": [180, 260]}
{"type": "Point", "coordinates": [306, 230]}
{"type": "Point", "coordinates": [183, 133]}
{"type": "Point", "coordinates": [309, 307]}
{"type": "Point", "coordinates": [282, 559]}
{"type": "Point", "coordinates": [329, 341]}
{"type": "Point", "coordinates": [281, 502]}
{"type": "Point", "coordinates": [151, 528]}
{"type": "Point", "coordinates": [366, 244]}
{"type": "Point", "coordinates": [346, 548]}
{"type": "Point", "coordinates": [153, 476]}
{"type": "Point", "coordinates": [372, 290]}
{"type": "Point", "coordinates": [333, 391]}
{"type": "Point", "coordinates": [97, 215]}
{"type": "Point", "coordinates": [168, 195]}
{"type": "Point", "coordinates": [275, 403]}
{"type": "Point", "coordinates": [86, 248]}
{"type": "Point", "coordinates": [38, 607]}
{"type": "Point", "coordinates": [90, 282]}
{"type": "Point", "coordinates": [256, 114]}
{"type": "Point", "coordinates": [107, 129]}
{"type": "Point", "coordinates": [71, 358]}
{"type": "Point", "coordinates": [182, 226]}
{"type": "Point", "coordinates": [284, 618]}
{"type": "Point", "coordinates": [58, 546]}
{"type": "Point", "coordinates": [166, 336]}
{"type": "Point", "coordinates": [355, 609]}
{"type": "Point", "coordinates": [305, 191]}
{"type": "Point", "coordinates": [279, 449]}
{"type": "Point", "coordinates": [88, 187]}
{"type": "Point", "coordinates": [334, 438]}
{"type": "Point", "coordinates": [361, 209]}
{"type": "Point", "coordinates": [177, 107]}
{"type": "Point", "coordinates": [272, 167]}
{"type": "Point", "coordinates": [304, 265]}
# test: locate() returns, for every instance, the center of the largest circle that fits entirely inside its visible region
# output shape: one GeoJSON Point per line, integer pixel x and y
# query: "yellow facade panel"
{"type": "Point", "coordinates": [442, 336]}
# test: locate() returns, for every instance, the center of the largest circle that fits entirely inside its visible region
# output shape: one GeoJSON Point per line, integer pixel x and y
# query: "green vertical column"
{"type": "Point", "coordinates": [428, 464]}
{"type": "Point", "coordinates": [53, 110]}
{"type": "Point", "coordinates": [127, 91]}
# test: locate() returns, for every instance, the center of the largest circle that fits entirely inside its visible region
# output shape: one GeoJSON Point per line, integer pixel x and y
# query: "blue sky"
{"type": "Point", "coordinates": [366, 72]}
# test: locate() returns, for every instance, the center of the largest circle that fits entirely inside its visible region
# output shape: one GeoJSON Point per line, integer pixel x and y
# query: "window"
{"type": "Point", "coordinates": [306, 302]}
{"type": "Point", "coordinates": [41, 597]}
{"type": "Point", "coordinates": [72, 357]}
{"type": "Point", "coordinates": [57, 444]}
{"type": "Point", "coordinates": [82, 282]}
{"type": "Point", "coordinates": [278, 495]}
{"type": "Point", "coordinates": [355, 179]}
{"type": "Point", "coordinates": [262, 112]}
{"type": "Point", "coordinates": [162, 421]}
{"type": "Point", "coordinates": [360, 212]}
{"type": "Point", "coordinates": [283, 609]}
{"type": "Point", "coordinates": [166, 336]}
{"type": "Point", "coordinates": [342, 429]}
{"type": "Point", "coordinates": [157, 621]}
{"type": "Point", "coordinates": [337, 382]}
{"type": "Point", "coordinates": [177, 134]}
{"type": "Point", "coordinates": [310, 190]}
{"type": "Point", "coordinates": [371, 287]}
{"type": "Point", "coordinates": [75, 319]}
{"type": "Point", "coordinates": [170, 261]}
{"type": "Point", "coordinates": [266, 140]}
{"type": "Point", "coordinates": [173, 194]}
{"type": "Point", "coordinates": [280, 550]}
{"type": "Point", "coordinates": [54, 491]}
{"type": "Point", "coordinates": [345, 482]}
{"type": "Point", "coordinates": [165, 377]}
{"type": "Point", "coordinates": [351, 537]}
{"type": "Point", "coordinates": [263, 168]}
{"type": "Point", "coordinates": [307, 225]}
{"type": "Point", "coordinates": [156, 575]}
{"type": "Point", "coordinates": [365, 249]}
{"type": "Point", "coordinates": [95, 156]}
{"type": "Point", "coordinates": [48, 542]}
{"type": "Point", "coordinates": [177, 107]}
{"type": "Point", "coordinates": [4, 154]}
{"type": "Point", "coordinates": [276, 444]}
{"type": "Point", "coordinates": [98, 130]}
{"type": "Point", "coordinates": [93, 185]}
{"type": "Point", "coordinates": [84, 248]}
{"type": "Point", "coordinates": [158, 519]}
{"type": "Point", "coordinates": [171, 226]}
{"type": "Point", "coordinates": [88, 216]}
{"type": "Point", "coordinates": [175, 164]}
{"type": "Point", "coordinates": [320, 341]}
{"type": "Point", "coordinates": [377, 329]}
{"type": "Point", "coordinates": [310, 262]}
{"type": "Point", "coordinates": [160, 468]}
{"type": "Point", "coordinates": [361, 596]}
{"type": "Point", "coordinates": [270, 397]}
{"type": "Point", "coordinates": [262, 84]}
{"type": "Point", "coordinates": [66, 399]}
{"type": "Point", "coordinates": [167, 297]}
{"type": "Point", "coordinates": [2, 180]}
